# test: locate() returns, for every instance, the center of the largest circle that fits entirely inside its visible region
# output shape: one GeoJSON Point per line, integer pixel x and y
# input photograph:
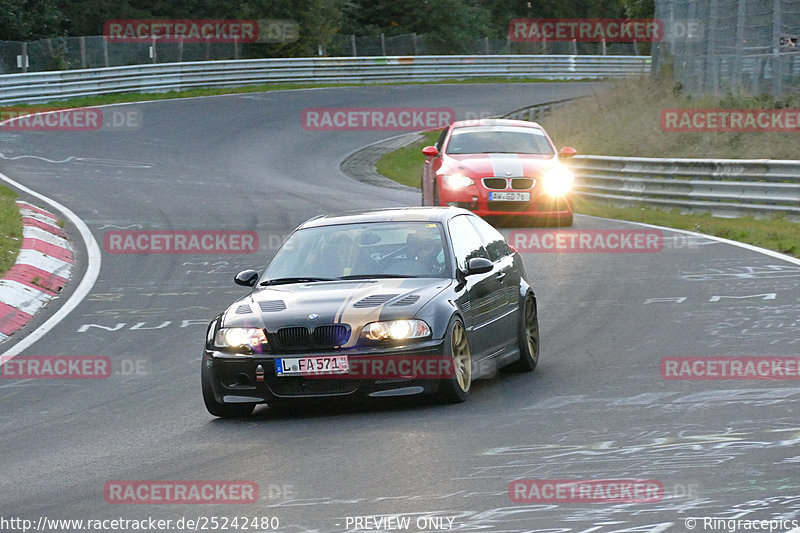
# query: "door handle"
{"type": "Point", "coordinates": [501, 276]}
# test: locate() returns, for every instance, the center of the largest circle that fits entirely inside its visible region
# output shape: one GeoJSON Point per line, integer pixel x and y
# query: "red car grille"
{"type": "Point", "coordinates": [501, 184]}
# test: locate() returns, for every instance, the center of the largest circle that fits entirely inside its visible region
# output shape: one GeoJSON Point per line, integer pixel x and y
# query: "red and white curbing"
{"type": "Point", "coordinates": [43, 267]}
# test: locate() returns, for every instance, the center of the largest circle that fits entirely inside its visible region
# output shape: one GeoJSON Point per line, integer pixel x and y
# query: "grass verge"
{"type": "Point", "coordinates": [405, 164]}
{"type": "Point", "coordinates": [776, 234]}
{"type": "Point", "coordinates": [10, 229]}
{"type": "Point", "coordinates": [625, 121]}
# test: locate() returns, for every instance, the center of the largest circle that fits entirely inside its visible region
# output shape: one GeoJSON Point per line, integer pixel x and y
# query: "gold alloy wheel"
{"type": "Point", "coordinates": [531, 329]}
{"type": "Point", "coordinates": [461, 357]}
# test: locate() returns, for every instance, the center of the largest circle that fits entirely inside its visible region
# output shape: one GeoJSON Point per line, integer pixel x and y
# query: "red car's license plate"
{"type": "Point", "coordinates": [510, 196]}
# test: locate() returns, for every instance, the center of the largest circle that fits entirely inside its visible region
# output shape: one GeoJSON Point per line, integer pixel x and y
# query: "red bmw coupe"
{"type": "Point", "coordinates": [498, 168]}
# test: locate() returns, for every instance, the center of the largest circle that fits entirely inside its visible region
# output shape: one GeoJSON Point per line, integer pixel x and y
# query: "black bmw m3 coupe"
{"type": "Point", "coordinates": [375, 303]}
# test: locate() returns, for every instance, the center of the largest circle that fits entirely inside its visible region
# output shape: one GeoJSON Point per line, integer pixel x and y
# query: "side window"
{"type": "Point", "coordinates": [466, 241]}
{"type": "Point", "coordinates": [493, 240]}
{"type": "Point", "coordinates": [440, 140]}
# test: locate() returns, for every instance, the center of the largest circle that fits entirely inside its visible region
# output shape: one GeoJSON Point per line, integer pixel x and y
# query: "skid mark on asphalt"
{"type": "Point", "coordinates": [117, 163]}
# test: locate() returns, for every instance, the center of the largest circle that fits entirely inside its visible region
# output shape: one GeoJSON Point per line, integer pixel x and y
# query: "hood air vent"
{"type": "Point", "coordinates": [375, 300]}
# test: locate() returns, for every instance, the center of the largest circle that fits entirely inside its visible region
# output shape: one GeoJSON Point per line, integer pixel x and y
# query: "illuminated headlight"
{"type": "Point", "coordinates": [457, 181]}
{"type": "Point", "coordinates": [558, 180]}
{"type": "Point", "coordinates": [238, 338]}
{"type": "Point", "coordinates": [396, 330]}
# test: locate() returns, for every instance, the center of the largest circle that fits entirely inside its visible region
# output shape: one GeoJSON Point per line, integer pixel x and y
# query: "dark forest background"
{"type": "Point", "coordinates": [319, 20]}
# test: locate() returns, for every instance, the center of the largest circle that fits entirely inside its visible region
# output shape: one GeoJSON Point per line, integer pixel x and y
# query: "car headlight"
{"type": "Point", "coordinates": [396, 330]}
{"type": "Point", "coordinates": [456, 181]}
{"type": "Point", "coordinates": [558, 180]}
{"type": "Point", "coordinates": [253, 339]}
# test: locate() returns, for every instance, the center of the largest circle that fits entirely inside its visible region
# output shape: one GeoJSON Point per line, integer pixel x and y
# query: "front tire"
{"type": "Point", "coordinates": [222, 410]}
{"type": "Point", "coordinates": [455, 389]}
{"type": "Point", "coordinates": [528, 338]}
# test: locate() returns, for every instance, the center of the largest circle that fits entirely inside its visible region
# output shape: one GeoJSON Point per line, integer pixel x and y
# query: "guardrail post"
{"type": "Point", "coordinates": [82, 42]}
{"type": "Point", "coordinates": [574, 47]}
{"type": "Point", "coordinates": [739, 64]}
{"type": "Point", "coordinates": [353, 45]}
{"type": "Point", "coordinates": [105, 52]}
{"type": "Point", "coordinates": [180, 49]}
{"type": "Point", "coordinates": [413, 43]}
{"type": "Point", "coordinates": [777, 71]}
{"type": "Point", "coordinates": [383, 45]}
{"type": "Point", "coordinates": [22, 61]}
{"type": "Point", "coordinates": [235, 48]}
{"type": "Point", "coordinates": [602, 47]}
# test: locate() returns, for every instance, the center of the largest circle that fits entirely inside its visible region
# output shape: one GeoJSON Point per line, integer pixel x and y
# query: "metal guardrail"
{"type": "Point", "coordinates": [42, 87]}
{"type": "Point", "coordinates": [720, 186]}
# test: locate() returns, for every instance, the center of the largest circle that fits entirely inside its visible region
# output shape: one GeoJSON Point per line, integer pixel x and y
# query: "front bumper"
{"type": "Point", "coordinates": [252, 378]}
{"type": "Point", "coordinates": [541, 206]}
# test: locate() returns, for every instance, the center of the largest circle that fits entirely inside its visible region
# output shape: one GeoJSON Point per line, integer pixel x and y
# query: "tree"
{"type": "Point", "coordinates": [449, 24]}
{"type": "Point", "coordinates": [27, 20]}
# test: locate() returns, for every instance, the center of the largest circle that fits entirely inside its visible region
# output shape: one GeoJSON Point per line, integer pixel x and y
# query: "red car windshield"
{"type": "Point", "coordinates": [499, 140]}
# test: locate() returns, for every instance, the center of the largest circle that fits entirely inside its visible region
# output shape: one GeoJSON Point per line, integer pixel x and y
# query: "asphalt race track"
{"type": "Point", "coordinates": [596, 408]}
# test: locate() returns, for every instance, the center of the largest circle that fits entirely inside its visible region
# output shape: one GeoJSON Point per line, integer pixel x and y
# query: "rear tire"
{"type": "Point", "coordinates": [222, 410]}
{"type": "Point", "coordinates": [456, 388]}
{"type": "Point", "coordinates": [528, 338]}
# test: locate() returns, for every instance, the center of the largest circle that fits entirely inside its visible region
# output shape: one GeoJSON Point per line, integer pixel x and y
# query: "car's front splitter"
{"type": "Point", "coordinates": [253, 378]}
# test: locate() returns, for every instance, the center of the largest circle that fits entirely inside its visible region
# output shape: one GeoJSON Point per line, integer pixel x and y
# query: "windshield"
{"type": "Point", "coordinates": [378, 249]}
{"type": "Point", "coordinates": [505, 139]}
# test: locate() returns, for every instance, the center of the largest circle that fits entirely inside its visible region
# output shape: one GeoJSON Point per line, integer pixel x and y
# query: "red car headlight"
{"type": "Point", "coordinates": [456, 181]}
{"type": "Point", "coordinates": [558, 181]}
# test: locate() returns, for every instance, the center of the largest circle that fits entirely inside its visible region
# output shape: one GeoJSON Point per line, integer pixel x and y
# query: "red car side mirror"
{"type": "Point", "coordinates": [430, 151]}
{"type": "Point", "coordinates": [567, 152]}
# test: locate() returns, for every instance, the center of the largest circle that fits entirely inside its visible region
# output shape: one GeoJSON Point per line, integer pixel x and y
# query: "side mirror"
{"type": "Point", "coordinates": [430, 151]}
{"type": "Point", "coordinates": [567, 152]}
{"type": "Point", "coordinates": [478, 265]}
{"type": "Point", "coordinates": [246, 278]}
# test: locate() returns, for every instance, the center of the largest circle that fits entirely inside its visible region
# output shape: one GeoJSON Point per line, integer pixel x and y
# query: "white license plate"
{"type": "Point", "coordinates": [311, 366]}
{"type": "Point", "coordinates": [509, 197]}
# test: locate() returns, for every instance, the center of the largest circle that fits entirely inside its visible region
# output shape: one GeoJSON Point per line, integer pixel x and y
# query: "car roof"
{"type": "Point", "coordinates": [392, 214]}
{"type": "Point", "coordinates": [495, 122]}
